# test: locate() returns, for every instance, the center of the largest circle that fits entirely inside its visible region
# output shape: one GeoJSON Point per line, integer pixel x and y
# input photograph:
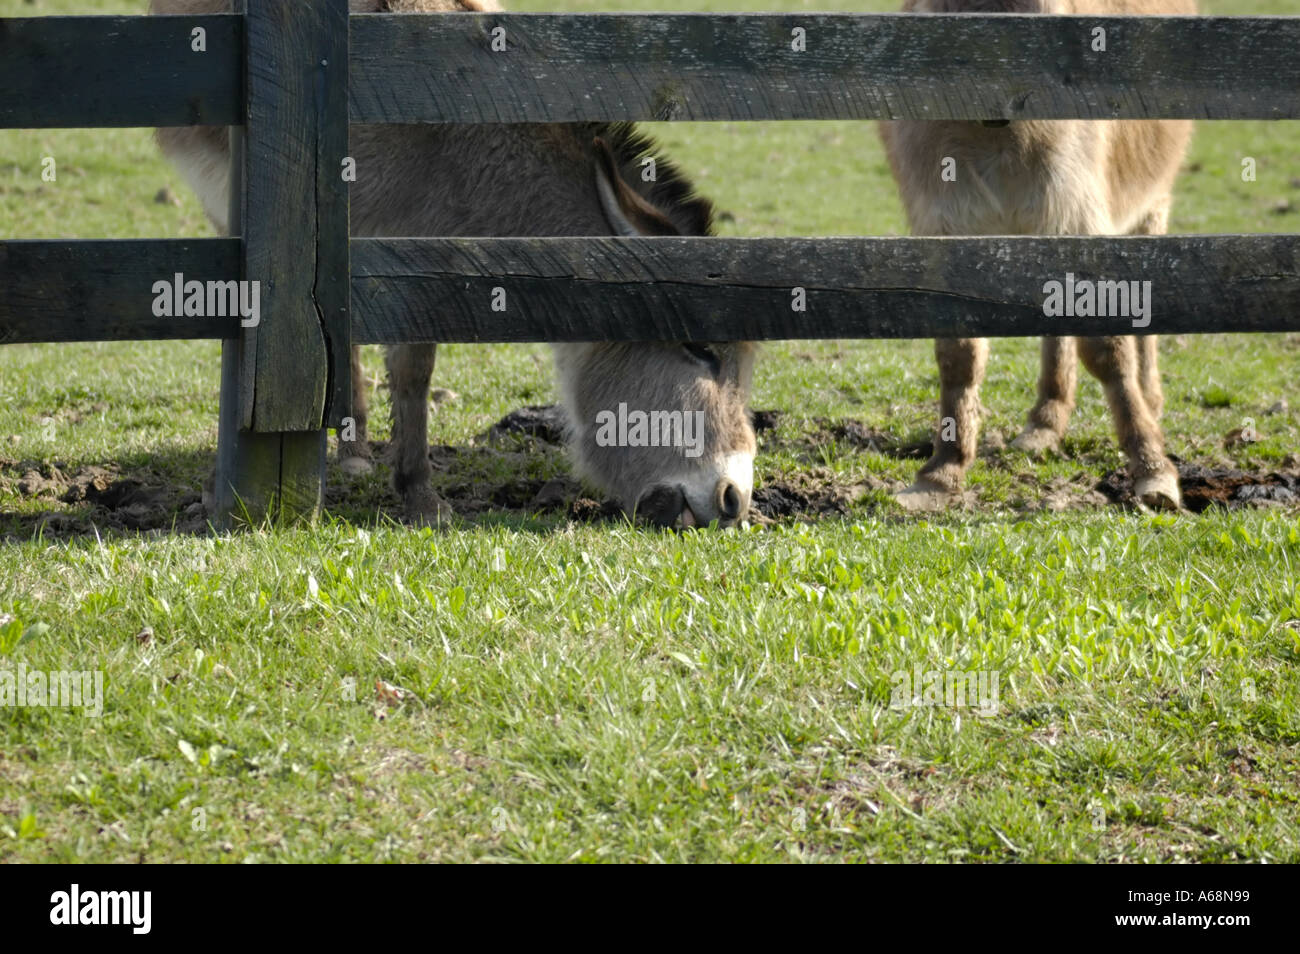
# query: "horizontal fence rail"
{"type": "Point", "coordinates": [562, 67]}
{"type": "Point", "coordinates": [443, 68]}
{"type": "Point", "coordinates": [722, 289]}
{"type": "Point", "coordinates": [709, 289]}
{"type": "Point", "coordinates": [102, 290]}
{"type": "Point", "coordinates": [120, 71]}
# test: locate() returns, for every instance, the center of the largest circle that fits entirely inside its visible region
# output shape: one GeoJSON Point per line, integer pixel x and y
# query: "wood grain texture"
{"type": "Point", "coordinates": [295, 217]}
{"type": "Point", "coordinates": [276, 477]}
{"type": "Point", "coordinates": [442, 68]}
{"type": "Point", "coordinates": [103, 290]}
{"type": "Point", "coordinates": [719, 289]}
{"type": "Point", "coordinates": [279, 378]}
{"type": "Point", "coordinates": [140, 71]}
{"type": "Point", "coordinates": [332, 288]}
{"type": "Point", "coordinates": [586, 289]}
{"type": "Point", "coordinates": [247, 478]}
{"type": "Point", "coordinates": [247, 475]}
{"type": "Point", "coordinates": [119, 71]}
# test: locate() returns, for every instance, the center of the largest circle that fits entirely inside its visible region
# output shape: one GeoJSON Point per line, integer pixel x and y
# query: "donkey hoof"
{"type": "Point", "coordinates": [428, 510]}
{"type": "Point", "coordinates": [356, 466]}
{"type": "Point", "coordinates": [1037, 441]}
{"type": "Point", "coordinates": [1159, 491]}
{"type": "Point", "coordinates": [926, 497]}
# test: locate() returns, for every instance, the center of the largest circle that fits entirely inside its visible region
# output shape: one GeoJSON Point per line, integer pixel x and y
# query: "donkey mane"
{"type": "Point", "coordinates": [671, 192]}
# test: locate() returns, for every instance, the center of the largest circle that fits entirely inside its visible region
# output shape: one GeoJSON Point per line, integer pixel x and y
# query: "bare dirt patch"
{"type": "Point", "coordinates": [546, 422]}
{"type": "Point", "coordinates": [846, 433]}
{"type": "Point", "coordinates": [1225, 487]}
{"type": "Point", "coordinates": [98, 498]}
{"type": "Point", "coordinates": [517, 467]}
{"type": "Point", "coordinates": [814, 493]}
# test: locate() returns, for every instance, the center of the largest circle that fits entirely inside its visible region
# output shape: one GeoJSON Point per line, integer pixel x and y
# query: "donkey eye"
{"type": "Point", "coordinates": [704, 354]}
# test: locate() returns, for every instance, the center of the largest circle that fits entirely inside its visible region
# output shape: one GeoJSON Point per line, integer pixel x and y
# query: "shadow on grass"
{"type": "Point", "coordinates": [518, 482]}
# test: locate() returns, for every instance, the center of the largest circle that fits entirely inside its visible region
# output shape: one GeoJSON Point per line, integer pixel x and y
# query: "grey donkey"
{"type": "Point", "coordinates": [535, 180]}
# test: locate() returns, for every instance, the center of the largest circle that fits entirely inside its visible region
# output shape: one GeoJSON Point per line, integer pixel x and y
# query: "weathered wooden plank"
{"type": "Point", "coordinates": [105, 290]}
{"type": "Point", "coordinates": [332, 290]}
{"type": "Point", "coordinates": [261, 477]}
{"type": "Point", "coordinates": [247, 476]}
{"type": "Point", "coordinates": [295, 211]}
{"type": "Point", "coordinates": [142, 71]}
{"type": "Point", "coordinates": [302, 475]}
{"type": "Point", "coordinates": [592, 289]}
{"type": "Point", "coordinates": [641, 289]}
{"type": "Point", "coordinates": [120, 71]}
{"type": "Point", "coordinates": [443, 68]}
{"type": "Point", "coordinates": [247, 480]}
{"type": "Point", "coordinates": [279, 379]}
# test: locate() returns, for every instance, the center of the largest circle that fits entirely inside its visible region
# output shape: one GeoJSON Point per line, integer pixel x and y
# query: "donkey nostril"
{"type": "Point", "coordinates": [728, 500]}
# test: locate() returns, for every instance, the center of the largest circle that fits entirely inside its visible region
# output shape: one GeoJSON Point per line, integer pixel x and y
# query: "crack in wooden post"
{"type": "Point", "coordinates": [288, 376]}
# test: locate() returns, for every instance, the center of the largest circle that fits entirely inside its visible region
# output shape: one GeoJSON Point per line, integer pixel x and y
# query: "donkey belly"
{"type": "Point", "coordinates": [1032, 178]}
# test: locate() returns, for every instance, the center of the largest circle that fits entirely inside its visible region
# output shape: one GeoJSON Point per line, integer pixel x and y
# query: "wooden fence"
{"type": "Point", "coordinates": [292, 75]}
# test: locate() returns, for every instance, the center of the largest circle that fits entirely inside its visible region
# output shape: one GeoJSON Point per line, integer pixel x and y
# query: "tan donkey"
{"type": "Point", "coordinates": [1038, 177]}
{"type": "Point", "coordinates": [693, 463]}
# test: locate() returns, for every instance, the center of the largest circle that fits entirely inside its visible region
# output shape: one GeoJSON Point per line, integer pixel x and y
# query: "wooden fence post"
{"type": "Point", "coordinates": [287, 377]}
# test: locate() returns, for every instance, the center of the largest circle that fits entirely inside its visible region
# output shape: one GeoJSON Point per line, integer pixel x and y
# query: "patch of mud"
{"type": "Point", "coordinates": [586, 510]}
{"type": "Point", "coordinates": [473, 479]}
{"type": "Point", "coordinates": [545, 422]}
{"type": "Point", "coordinates": [537, 495]}
{"type": "Point", "coordinates": [515, 494]}
{"type": "Point", "coordinates": [558, 493]}
{"type": "Point", "coordinates": [1059, 494]}
{"type": "Point", "coordinates": [765, 420]}
{"type": "Point", "coordinates": [518, 466]}
{"type": "Point", "coordinates": [814, 493]}
{"type": "Point", "coordinates": [1205, 487]}
{"type": "Point", "coordinates": [804, 496]}
{"type": "Point", "coordinates": [101, 498]}
{"type": "Point", "coordinates": [857, 435]}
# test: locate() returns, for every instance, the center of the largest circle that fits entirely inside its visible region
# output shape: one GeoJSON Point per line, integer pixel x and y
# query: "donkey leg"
{"type": "Point", "coordinates": [1056, 384]}
{"type": "Point", "coordinates": [1155, 222]}
{"type": "Point", "coordinates": [1149, 374]}
{"type": "Point", "coordinates": [961, 371]}
{"type": "Point", "coordinates": [354, 454]}
{"type": "Point", "coordinates": [409, 369]}
{"type": "Point", "coordinates": [1114, 362]}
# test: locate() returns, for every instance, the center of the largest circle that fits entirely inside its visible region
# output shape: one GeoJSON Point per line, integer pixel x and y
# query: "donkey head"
{"type": "Point", "coordinates": [662, 426]}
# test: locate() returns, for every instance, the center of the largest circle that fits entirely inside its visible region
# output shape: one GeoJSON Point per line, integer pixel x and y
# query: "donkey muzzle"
{"type": "Point", "coordinates": [666, 505]}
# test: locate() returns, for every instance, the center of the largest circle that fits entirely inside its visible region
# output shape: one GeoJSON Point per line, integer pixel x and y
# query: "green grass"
{"type": "Point", "coordinates": [594, 692]}
{"type": "Point", "coordinates": [687, 704]}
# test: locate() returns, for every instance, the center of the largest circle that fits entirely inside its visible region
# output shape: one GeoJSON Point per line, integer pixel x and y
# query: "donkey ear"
{"type": "Point", "coordinates": [627, 211]}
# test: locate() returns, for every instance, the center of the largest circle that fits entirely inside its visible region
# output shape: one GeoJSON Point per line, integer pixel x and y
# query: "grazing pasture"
{"type": "Point", "coordinates": [545, 683]}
